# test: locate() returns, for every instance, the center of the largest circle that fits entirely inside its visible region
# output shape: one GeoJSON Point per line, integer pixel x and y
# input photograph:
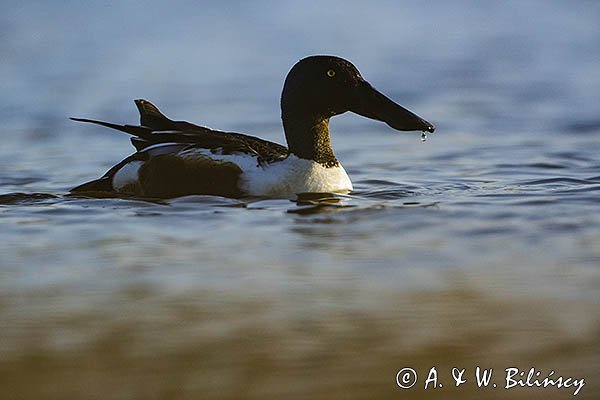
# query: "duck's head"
{"type": "Point", "coordinates": [319, 87]}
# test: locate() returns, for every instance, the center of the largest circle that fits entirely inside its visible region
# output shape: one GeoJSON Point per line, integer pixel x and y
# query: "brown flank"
{"type": "Point", "coordinates": [167, 176]}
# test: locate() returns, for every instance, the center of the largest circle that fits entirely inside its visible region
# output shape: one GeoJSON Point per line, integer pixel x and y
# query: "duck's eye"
{"type": "Point", "coordinates": [331, 73]}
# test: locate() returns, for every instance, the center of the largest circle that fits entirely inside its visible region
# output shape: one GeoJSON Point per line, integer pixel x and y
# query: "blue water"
{"type": "Point", "coordinates": [478, 246]}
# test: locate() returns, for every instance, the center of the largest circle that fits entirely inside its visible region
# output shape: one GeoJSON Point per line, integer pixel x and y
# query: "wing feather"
{"type": "Point", "coordinates": [157, 128]}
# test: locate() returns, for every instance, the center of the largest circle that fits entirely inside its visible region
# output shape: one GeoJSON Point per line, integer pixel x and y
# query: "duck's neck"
{"type": "Point", "coordinates": [309, 138]}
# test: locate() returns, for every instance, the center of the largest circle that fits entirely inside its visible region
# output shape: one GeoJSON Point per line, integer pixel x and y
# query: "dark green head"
{"type": "Point", "coordinates": [319, 87]}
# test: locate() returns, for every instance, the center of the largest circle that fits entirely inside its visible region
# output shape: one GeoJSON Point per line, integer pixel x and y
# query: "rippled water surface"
{"type": "Point", "coordinates": [477, 247]}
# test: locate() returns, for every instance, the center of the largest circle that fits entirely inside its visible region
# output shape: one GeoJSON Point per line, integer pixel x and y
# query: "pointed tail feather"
{"type": "Point", "coordinates": [139, 131]}
{"type": "Point", "coordinates": [103, 184]}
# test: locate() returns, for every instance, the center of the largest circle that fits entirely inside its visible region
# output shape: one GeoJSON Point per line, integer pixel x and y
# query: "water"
{"type": "Point", "coordinates": [478, 247]}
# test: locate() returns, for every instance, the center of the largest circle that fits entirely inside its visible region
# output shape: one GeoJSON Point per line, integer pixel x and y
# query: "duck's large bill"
{"type": "Point", "coordinates": [371, 103]}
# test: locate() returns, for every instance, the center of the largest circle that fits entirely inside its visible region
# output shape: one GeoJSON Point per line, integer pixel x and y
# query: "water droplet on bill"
{"type": "Point", "coordinates": [423, 137]}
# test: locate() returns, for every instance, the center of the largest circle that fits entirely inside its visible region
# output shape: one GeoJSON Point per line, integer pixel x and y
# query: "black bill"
{"type": "Point", "coordinates": [371, 103]}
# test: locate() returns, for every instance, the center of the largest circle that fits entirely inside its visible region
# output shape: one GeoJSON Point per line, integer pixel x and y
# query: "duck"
{"type": "Point", "coordinates": [178, 158]}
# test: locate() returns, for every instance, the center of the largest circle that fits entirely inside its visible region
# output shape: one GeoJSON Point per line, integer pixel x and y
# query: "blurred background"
{"type": "Point", "coordinates": [478, 247]}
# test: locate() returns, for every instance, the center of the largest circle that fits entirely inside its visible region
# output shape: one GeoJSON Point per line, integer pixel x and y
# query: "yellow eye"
{"type": "Point", "coordinates": [331, 73]}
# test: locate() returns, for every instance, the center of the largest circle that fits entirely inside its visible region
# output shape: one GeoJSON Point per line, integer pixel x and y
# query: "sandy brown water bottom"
{"type": "Point", "coordinates": [208, 344]}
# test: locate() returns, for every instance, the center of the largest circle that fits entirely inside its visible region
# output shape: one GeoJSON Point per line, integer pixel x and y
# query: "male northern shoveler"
{"type": "Point", "coordinates": [177, 158]}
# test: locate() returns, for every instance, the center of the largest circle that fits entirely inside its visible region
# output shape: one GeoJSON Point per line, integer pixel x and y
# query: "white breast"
{"type": "Point", "coordinates": [295, 175]}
